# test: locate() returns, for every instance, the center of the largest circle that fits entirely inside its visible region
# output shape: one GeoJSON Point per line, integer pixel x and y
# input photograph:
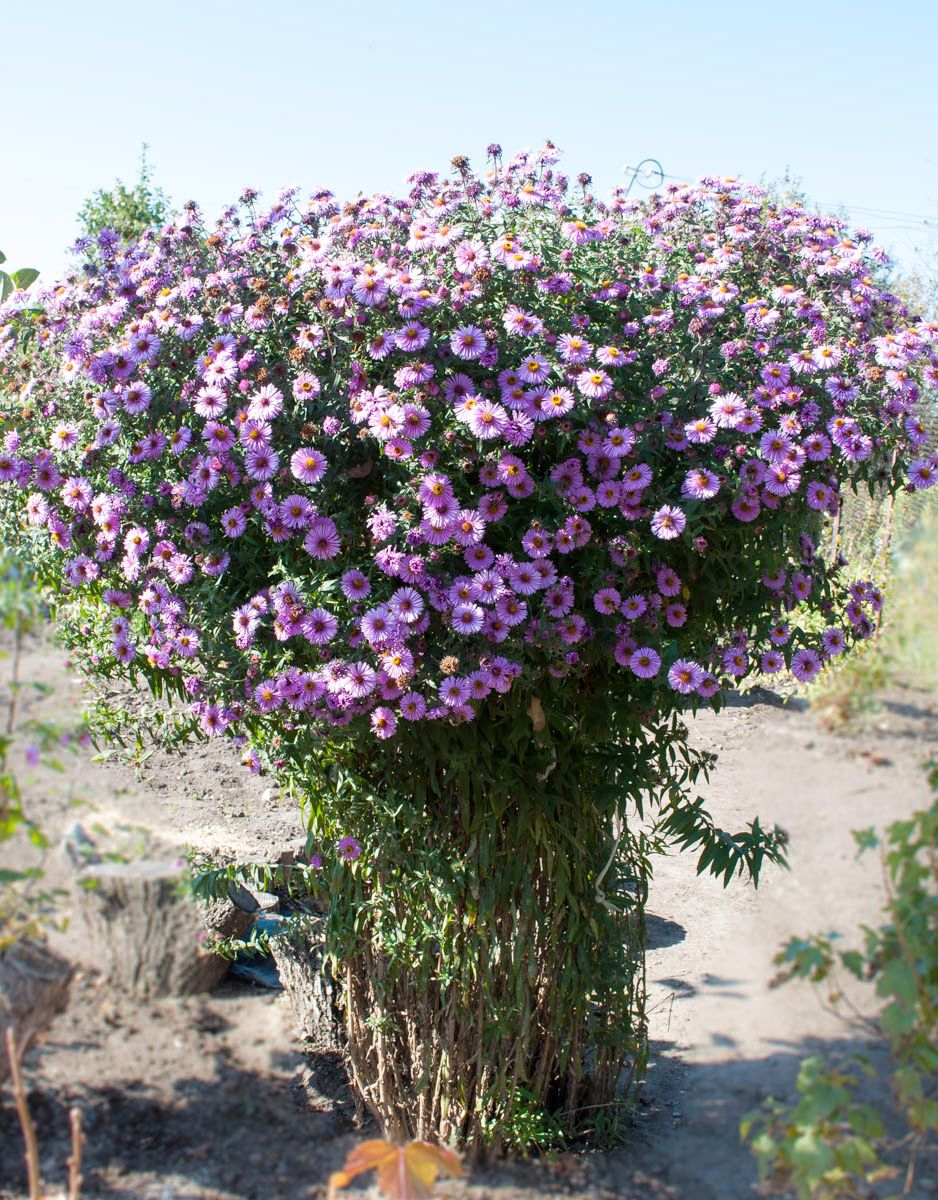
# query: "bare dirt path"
{"type": "Point", "coordinates": [203, 1097]}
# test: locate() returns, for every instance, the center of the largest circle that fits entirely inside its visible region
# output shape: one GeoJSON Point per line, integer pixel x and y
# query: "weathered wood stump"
{"type": "Point", "coordinates": [314, 994]}
{"type": "Point", "coordinates": [147, 933]}
{"type": "Point", "coordinates": [34, 985]}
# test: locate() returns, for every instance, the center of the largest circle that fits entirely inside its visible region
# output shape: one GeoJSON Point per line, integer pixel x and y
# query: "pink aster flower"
{"type": "Point", "coordinates": [700, 431]}
{"type": "Point", "coordinates": [594, 383]}
{"type": "Point", "coordinates": [573, 349]}
{"type": "Point", "coordinates": [306, 386]}
{"type": "Point", "coordinates": [470, 256]}
{"type": "Point", "coordinates": [349, 849]}
{"type": "Point", "coordinates": [308, 465]}
{"type": "Point", "coordinates": [685, 676]}
{"type": "Point", "coordinates": [487, 419]}
{"type": "Point", "coordinates": [700, 484]}
{"type": "Point", "coordinates": [383, 722]}
{"type": "Point", "coordinates": [607, 600]}
{"type": "Point", "coordinates": [265, 404]}
{"type": "Point", "coordinates": [727, 411]}
{"type": "Point", "coordinates": [668, 522]}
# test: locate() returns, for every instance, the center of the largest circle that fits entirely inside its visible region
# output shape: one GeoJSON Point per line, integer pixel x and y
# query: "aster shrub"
{"type": "Point", "coordinates": [446, 507]}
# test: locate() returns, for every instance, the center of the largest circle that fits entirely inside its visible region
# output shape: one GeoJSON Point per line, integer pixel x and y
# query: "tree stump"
{"type": "Point", "coordinates": [34, 985]}
{"type": "Point", "coordinates": [147, 932]}
{"type": "Point", "coordinates": [314, 994]}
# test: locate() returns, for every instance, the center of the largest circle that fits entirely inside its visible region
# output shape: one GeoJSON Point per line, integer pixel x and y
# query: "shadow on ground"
{"type": "Point", "coordinates": [264, 1142]}
{"type": "Point", "coordinates": [238, 1134]}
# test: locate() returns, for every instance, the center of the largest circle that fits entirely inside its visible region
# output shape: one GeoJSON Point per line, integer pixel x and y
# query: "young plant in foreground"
{"type": "Point", "coordinates": [405, 1172]}
{"type": "Point", "coordinates": [830, 1144]}
{"type": "Point", "coordinates": [28, 1128]}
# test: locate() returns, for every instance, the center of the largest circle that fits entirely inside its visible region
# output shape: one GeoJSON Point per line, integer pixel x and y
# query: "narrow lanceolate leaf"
{"type": "Point", "coordinates": [404, 1172]}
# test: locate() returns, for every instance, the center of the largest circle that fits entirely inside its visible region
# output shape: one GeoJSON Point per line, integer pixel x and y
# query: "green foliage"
{"type": "Point", "coordinates": [530, 1127]}
{"type": "Point", "coordinates": [825, 1145]}
{"type": "Point", "coordinates": [910, 641]}
{"type": "Point", "coordinates": [847, 693]}
{"type": "Point", "coordinates": [11, 281]}
{"type": "Point", "coordinates": [26, 906]}
{"type": "Point", "coordinates": [128, 211]}
{"type": "Point", "coordinates": [829, 1144]}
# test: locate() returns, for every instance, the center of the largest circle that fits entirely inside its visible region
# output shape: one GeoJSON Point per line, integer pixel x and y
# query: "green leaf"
{"type": "Point", "coordinates": [900, 980]}
{"type": "Point", "coordinates": [812, 1154]}
{"type": "Point", "coordinates": [6, 286]}
{"type": "Point", "coordinates": [25, 276]}
{"type": "Point", "coordinates": [854, 961]}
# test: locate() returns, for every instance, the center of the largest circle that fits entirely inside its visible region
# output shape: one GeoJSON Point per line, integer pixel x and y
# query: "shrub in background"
{"type": "Point", "coordinates": [445, 507]}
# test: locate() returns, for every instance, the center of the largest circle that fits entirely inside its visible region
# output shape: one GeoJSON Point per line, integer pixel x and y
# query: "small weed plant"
{"type": "Point", "coordinates": [830, 1144]}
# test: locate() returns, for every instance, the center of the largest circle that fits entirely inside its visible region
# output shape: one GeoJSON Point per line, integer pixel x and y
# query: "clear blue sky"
{"type": "Point", "coordinates": [353, 97]}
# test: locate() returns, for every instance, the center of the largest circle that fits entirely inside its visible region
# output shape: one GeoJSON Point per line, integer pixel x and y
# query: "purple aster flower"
{"type": "Point", "coordinates": [412, 706]}
{"type": "Point", "coordinates": [833, 641]}
{"type": "Point", "coordinates": [467, 618]}
{"type": "Point", "coordinates": [349, 849]}
{"type": "Point", "coordinates": [645, 662]}
{"type": "Point", "coordinates": [923, 473]}
{"type": "Point", "coordinates": [771, 662]}
{"type": "Point", "coordinates": [708, 686]}
{"type": "Point", "coordinates": [454, 691]}
{"type": "Point", "coordinates": [322, 539]}
{"type": "Point", "coordinates": [805, 665]}
{"type": "Point", "coordinates": [233, 522]}
{"type": "Point", "coordinates": [467, 342]}
{"type": "Point", "coordinates": [308, 465]}
{"type": "Point", "coordinates": [319, 626]}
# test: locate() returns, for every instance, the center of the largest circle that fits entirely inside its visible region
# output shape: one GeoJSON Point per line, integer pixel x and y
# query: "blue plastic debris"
{"type": "Point", "coordinates": [258, 965]}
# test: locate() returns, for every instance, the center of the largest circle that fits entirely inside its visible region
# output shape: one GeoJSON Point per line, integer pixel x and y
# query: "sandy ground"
{"type": "Point", "coordinates": [204, 1096]}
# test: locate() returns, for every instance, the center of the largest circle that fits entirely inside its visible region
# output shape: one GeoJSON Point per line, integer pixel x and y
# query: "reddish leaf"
{"type": "Point", "coordinates": [404, 1172]}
